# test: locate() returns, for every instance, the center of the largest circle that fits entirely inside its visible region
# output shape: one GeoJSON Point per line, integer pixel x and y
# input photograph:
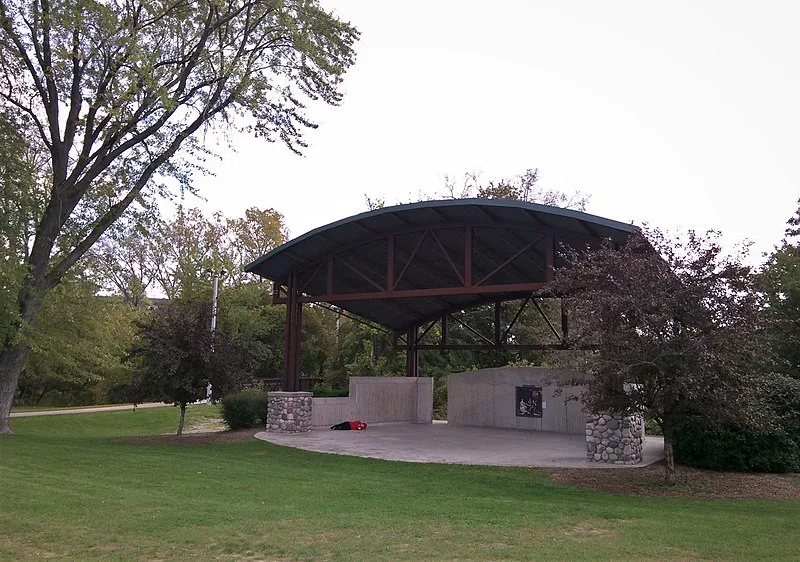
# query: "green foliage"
{"type": "Point", "coordinates": [440, 398]}
{"type": "Point", "coordinates": [328, 392]}
{"type": "Point", "coordinates": [244, 409]}
{"type": "Point", "coordinates": [780, 283]}
{"type": "Point", "coordinates": [359, 350]}
{"type": "Point", "coordinates": [76, 347]}
{"type": "Point", "coordinates": [247, 313]}
{"type": "Point", "coordinates": [771, 442]}
{"type": "Point", "coordinates": [706, 441]}
{"type": "Point", "coordinates": [20, 204]}
{"type": "Point", "coordinates": [523, 187]}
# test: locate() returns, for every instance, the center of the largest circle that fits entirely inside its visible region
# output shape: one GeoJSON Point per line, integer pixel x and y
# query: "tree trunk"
{"type": "Point", "coordinates": [14, 352]}
{"type": "Point", "coordinates": [183, 417]}
{"type": "Point", "coordinates": [12, 359]}
{"type": "Point", "coordinates": [669, 455]}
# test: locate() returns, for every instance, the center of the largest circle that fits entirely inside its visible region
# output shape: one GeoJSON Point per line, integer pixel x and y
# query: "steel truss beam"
{"type": "Point", "coordinates": [460, 261]}
{"type": "Point", "coordinates": [392, 273]}
{"type": "Point", "coordinates": [501, 332]}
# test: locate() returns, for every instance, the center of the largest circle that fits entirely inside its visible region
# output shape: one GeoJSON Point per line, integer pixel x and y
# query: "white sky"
{"type": "Point", "coordinates": [679, 114]}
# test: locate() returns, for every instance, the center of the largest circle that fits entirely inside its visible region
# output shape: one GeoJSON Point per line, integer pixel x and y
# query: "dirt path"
{"type": "Point", "coordinates": [116, 408]}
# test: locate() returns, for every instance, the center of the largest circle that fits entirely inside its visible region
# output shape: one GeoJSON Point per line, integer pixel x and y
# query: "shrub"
{"type": "Point", "coordinates": [770, 445]}
{"type": "Point", "coordinates": [245, 409]}
{"type": "Point", "coordinates": [440, 399]}
{"type": "Point", "coordinates": [328, 392]}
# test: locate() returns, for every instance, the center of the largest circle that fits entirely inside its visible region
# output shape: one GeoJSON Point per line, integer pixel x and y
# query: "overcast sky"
{"type": "Point", "coordinates": [678, 114]}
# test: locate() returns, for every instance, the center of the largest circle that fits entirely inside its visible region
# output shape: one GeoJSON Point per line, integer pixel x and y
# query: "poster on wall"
{"type": "Point", "coordinates": [529, 401]}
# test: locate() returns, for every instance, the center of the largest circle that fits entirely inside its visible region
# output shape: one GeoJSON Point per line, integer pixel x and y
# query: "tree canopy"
{"type": "Point", "coordinates": [780, 282]}
{"type": "Point", "coordinates": [675, 323]}
{"type": "Point", "coordinates": [119, 95]}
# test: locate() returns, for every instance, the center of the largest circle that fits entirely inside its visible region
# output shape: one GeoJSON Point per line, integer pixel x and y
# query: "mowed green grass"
{"type": "Point", "coordinates": [69, 490]}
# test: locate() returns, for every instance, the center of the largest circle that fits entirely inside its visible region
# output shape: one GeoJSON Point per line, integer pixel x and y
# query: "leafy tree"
{"type": "Point", "coordinates": [247, 313]}
{"type": "Point", "coordinates": [183, 250]}
{"type": "Point", "coordinates": [250, 237]}
{"type": "Point", "coordinates": [77, 346]}
{"type": "Point", "coordinates": [122, 260]}
{"type": "Point", "coordinates": [176, 356]}
{"type": "Point", "coordinates": [676, 325]}
{"type": "Point", "coordinates": [780, 282]}
{"type": "Point", "coordinates": [120, 94]}
{"type": "Point", "coordinates": [524, 187]}
{"type": "Point", "coordinates": [20, 203]}
{"type": "Point", "coordinates": [318, 340]}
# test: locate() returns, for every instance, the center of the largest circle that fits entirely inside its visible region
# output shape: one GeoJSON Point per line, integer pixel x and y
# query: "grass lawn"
{"type": "Point", "coordinates": [69, 489]}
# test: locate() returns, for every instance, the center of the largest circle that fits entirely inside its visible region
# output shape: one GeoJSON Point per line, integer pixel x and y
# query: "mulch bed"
{"type": "Point", "coordinates": [208, 438]}
{"type": "Point", "coordinates": [692, 482]}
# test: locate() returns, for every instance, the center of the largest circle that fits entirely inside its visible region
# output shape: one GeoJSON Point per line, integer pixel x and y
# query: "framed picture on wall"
{"type": "Point", "coordinates": [529, 401]}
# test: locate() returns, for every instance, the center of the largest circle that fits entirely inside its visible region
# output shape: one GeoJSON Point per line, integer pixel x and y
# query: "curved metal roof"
{"type": "Point", "coordinates": [504, 229]}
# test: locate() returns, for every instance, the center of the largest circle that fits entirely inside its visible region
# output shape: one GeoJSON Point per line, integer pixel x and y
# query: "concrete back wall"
{"type": "Point", "coordinates": [487, 398]}
{"type": "Point", "coordinates": [323, 410]}
{"type": "Point", "coordinates": [378, 400]}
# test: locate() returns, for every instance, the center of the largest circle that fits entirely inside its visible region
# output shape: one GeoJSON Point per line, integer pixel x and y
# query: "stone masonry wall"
{"type": "Point", "coordinates": [614, 438]}
{"type": "Point", "coordinates": [289, 412]}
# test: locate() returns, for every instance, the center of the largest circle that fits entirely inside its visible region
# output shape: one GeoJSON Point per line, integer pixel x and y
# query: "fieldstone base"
{"type": "Point", "coordinates": [614, 438]}
{"type": "Point", "coordinates": [289, 412]}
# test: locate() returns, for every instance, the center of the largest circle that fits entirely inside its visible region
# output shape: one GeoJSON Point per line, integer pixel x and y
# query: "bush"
{"type": "Point", "coordinates": [772, 445]}
{"type": "Point", "coordinates": [245, 409]}
{"type": "Point", "coordinates": [440, 399]}
{"type": "Point", "coordinates": [328, 392]}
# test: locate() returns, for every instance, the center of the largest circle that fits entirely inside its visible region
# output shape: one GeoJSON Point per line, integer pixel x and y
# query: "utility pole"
{"type": "Point", "coordinates": [214, 302]}
{"type": "Point", "coordinates": [217, 275]}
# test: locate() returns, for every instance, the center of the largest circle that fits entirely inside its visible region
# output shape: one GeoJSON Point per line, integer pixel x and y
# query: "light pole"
{"type": "Point", "coordinates": [217, 275]}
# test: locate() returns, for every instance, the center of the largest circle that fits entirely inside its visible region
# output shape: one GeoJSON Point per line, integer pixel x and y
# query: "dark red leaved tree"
{"type": "Point", "coordinates": [675, 322]}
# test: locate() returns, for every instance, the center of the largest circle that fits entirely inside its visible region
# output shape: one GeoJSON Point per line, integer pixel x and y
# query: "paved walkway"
{"type": "Point", "coordinates": [116, 408]}
{"type": "Point", "coordinates": [442, 443]}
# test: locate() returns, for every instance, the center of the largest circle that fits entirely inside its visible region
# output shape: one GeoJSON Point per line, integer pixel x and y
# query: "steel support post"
{"type": "Point", "coordinates": [291, 345]}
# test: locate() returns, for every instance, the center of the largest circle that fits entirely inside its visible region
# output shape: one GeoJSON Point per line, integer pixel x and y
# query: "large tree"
{"type": "Point", "coordinates": [676, 324]}
{"type": "Point", "coordinates": [119, 94]}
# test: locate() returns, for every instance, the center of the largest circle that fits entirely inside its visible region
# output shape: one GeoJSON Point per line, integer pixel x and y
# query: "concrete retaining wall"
{"type": "Point", "coordinates": [487, 398]}
{"type": "Point", "coordinates": [337, 409]}
{"type": "Point", "coordinates": [379, 400]}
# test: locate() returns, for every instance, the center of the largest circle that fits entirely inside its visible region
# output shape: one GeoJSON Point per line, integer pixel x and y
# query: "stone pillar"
{"type": "Point", "coordinates": [614, 438]}
{"type": "Point", "coordinates": [289, 412]}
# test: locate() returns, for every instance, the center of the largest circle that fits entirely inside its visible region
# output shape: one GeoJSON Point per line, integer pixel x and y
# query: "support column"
{"type": "Point", "coordinates": [614, 438]}
{"type": "Point", "coordinates": [412, 354]}
{"type": "Point", "coordinates": [289, 412]}
{"type": "Point", "coordinates": [291, 343]}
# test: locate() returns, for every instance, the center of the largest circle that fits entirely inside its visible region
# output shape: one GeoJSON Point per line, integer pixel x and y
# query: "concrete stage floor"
{"type": "Point", "coordinates": [443, 443]}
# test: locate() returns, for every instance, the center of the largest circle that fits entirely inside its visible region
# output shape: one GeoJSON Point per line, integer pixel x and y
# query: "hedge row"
{"type": "Point", "coordinates": [771, 444]}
